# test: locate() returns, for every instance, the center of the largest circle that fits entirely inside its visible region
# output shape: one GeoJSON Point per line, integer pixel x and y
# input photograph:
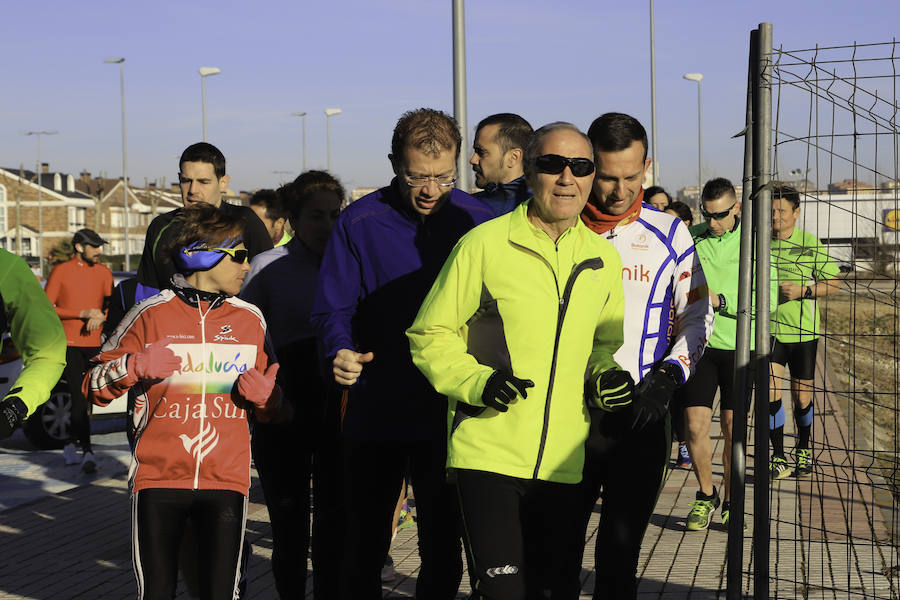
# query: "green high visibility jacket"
{"type": "Point", "coordinates": [509, 298]}
{"type": "Point", "coordinates": [34, 328]}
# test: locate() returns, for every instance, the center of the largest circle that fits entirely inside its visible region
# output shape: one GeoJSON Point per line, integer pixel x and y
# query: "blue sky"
{"type": "Point", "coordinates": [563, 60]}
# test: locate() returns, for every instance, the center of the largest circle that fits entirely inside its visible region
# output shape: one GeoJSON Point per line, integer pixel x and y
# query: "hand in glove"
{"type": "Point", "coordinates": [12, 412]}
{"type": "Point", "coordinates": [501, 389]}
{"type": "Point", "coordinates": [156, 361]}
{"type": "Point", "coordinates": [651, 397]}
{"type": "Point", "coordinates": [613, 390]}
{"type": "Point", "coordinates": [256, 387]}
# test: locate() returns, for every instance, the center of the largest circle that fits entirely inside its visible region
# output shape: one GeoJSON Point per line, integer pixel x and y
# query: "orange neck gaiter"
{"type": "Point", "coordinates": [600, 222]}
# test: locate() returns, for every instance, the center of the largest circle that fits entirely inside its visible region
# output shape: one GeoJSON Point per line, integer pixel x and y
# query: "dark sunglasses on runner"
{"type": "Point", "coordinates": [554, 164]}
{"type": "Point", "coordinates": [238, 256]}
{"type": "Point", "coordinates": [718, 216]}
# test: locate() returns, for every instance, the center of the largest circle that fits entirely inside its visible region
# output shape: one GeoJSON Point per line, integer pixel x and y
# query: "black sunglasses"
{"type": "Point", "coordinates": [718, 216]}
{"type": "Point", "coordinates": [238, 256]}
{"type": "Point", "coordinates": [554, 164]}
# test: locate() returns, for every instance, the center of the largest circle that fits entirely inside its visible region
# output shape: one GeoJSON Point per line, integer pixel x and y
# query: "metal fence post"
{"type": "Point", "coordinates": [742, 381]}
{"type": "Point", "coordinates": [762, 193]}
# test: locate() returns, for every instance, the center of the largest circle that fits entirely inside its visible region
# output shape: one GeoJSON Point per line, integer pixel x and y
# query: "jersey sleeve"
{"type": "Point", "coordinates": [609, 332]}
{"type": "Point", "coordinates": [107, 377]}
{"type": "Point", "coordinates": [338, 292]}
{"type": "Point", "coordinates": [825, 267]}
{"type": "Point", "coordinates": [35, 329]}
{"type": "Point", "coordinates": [693, 310]}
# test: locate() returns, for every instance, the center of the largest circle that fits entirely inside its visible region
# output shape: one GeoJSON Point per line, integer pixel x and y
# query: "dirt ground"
{"type": "Point", "coordinates": [861, 330]}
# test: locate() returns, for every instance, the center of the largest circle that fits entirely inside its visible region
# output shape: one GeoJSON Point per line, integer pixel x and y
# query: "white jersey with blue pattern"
{"type": "Point", "coordinates": [668, 315]}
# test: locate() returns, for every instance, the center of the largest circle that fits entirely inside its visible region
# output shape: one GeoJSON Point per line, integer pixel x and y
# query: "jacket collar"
{"type": "Point", "coordinates": [523, 232]}
{"type": "Point", "coordinates": [194, 297]}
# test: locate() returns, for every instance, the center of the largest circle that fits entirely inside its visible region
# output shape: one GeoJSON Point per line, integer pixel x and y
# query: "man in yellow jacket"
{"type": "Point", "coordinates": [519, 330]}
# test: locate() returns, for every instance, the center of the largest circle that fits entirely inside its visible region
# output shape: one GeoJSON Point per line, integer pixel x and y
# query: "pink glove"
{"type": "Point", "coordinates": [156, 361]}
{"type": "Point", "coordinates": [256, 388]}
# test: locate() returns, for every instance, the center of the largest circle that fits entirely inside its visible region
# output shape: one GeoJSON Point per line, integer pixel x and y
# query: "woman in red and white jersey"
{"type": "Point", "coordinates": [197, 359]}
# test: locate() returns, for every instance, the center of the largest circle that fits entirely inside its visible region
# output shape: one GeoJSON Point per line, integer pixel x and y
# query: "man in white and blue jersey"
{"type": "Point", "coordinates": [668, 319]}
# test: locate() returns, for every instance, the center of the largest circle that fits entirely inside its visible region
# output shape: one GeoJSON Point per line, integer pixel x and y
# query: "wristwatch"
{"type": "Point", "coordinates": [722, 303]}
{"type": "Point", "coordinates": [808, 293]}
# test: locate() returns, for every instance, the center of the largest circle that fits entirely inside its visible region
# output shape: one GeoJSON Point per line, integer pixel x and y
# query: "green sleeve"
{"type": "Point", "coordinates": [825, 267]}
{"type": "Point", "coordinates": [437, 336]}
{"type": "Point", "coordinates": [609, 333]}
{"type": "Point", "coordinates": [35, 329]}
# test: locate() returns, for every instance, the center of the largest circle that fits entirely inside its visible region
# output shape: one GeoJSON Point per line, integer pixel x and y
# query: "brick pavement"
{"type": "Point", "coordinates": [829, 538]}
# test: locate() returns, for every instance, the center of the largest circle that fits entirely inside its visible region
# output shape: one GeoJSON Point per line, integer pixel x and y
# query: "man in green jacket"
{"type": "Point", "coordinates": [522, 321]}
{"type": "Point", "coordinates": [805, 273]}
{"type": "Point", "coordinates": [718, 245]}
{"type": "Point", "coordinates": [38, 335]}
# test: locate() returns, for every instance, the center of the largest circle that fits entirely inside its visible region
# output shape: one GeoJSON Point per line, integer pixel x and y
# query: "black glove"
{"type": "Point", "coordinates": [613, 390]}
{"type": "Point", "coordinates": [501, 389]}
{"type": "Point", "coordinates": [12, 412]}
{"type": "Point", "coordinates": [652, 396]}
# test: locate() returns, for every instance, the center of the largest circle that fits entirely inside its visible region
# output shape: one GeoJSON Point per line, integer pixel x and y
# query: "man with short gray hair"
{"type": "Point", "coordinates": [524, 306]}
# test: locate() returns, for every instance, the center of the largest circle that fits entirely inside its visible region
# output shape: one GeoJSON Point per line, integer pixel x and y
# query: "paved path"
{"type": "Point", "coordinates": [63, 536]}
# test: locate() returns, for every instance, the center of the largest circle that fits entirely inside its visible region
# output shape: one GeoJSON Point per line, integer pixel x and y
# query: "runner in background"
{"type": "Point", "coordinates": [282, 284]}
{"type": "Point", "coordinates": [805, 274]}
{"type": "Point", "coordinates": [80, 289]}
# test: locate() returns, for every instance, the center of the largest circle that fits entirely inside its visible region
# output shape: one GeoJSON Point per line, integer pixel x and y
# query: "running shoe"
{"type": "Point", "coordinates": [683, 459]}
{"type": "Point", "coordinates": [88, 464]}
{"type": "Point", "coordinates": [405, 519]}
{"type": "Point", "coordinates": [726, 513]}
{"type": "Point", "coordinates": [778, 468]}
{"type": "Point", "coordinates": [701, 511]}
{"type": "Point", "coordinates": [388, 572]}
{"type": "Point", "coordinates": [804, 465]}
{"type": "Point", "coordinates": [70, 454]}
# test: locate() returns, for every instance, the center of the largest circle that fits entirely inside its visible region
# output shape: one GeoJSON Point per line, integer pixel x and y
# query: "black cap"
{"type": "Point", "coordinates": [89, 237]}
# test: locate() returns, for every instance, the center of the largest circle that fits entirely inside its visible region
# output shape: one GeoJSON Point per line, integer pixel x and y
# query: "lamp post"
{"type": "Point", "coordinates": [329, 112]}
{"type": "Point", "coordinates": [204, 73]}
{"type": "Point", "coordinates": [698, 77]}
{"type": "Point", "coordinates": [302, 115]}
{"type": "Point", "coordinates": [121, 63]}
{"type": "Point", "coordinates": [460, 98]}
{"type": "Point", "coordinates": [38, 134]}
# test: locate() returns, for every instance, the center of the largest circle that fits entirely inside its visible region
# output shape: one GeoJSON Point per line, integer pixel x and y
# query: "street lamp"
{"type": "Point", "coordinates": [38, 134]}
{"type": "Point", "coordinates": [302, 115]}
{"type": "Point", "coordinates": [121, 63]}
{"type": "Point", "coordinates": [204, 73]}
{"type": "Point", "coordinates": [329, 112]}
{"type": "Point", "coordinates": [698, 77]}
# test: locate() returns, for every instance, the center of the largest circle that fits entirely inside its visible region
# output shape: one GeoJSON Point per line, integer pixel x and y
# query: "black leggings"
{"type": "Point", "coordinates": [516, 547]}
{"type": "Point", "coordinates": [158, 519]}
{"type": "Point", "coordinates": [627, 469]}
{"type": "Point", "coordinates": [76, 364]}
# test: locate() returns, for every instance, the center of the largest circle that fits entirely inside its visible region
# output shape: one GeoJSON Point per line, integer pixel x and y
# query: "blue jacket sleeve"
{"type": "Point", "coordinates": [338, 292]}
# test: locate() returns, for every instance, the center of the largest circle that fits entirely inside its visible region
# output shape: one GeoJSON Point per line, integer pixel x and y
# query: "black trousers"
{"type": "Point", "coordinates": [626, 469]}
{"type": "Point", "coordinates": [286, 455]}
{"type": "Point", "coordinates": [374, 473]}
{"type": "Point", "coordinates": [516, 549]}
{"type": "Point", "coordinates": [159, 516]}
{"type": "Point", "coordinates": [77, 358]}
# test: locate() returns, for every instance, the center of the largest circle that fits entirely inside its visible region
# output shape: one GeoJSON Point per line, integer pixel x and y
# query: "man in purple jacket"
{"type": "Point", "coordinates": [382, 258]}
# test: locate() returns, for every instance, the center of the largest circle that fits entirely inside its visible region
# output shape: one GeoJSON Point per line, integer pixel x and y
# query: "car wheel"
{"type": "Point", "coordinates": [49, 427]}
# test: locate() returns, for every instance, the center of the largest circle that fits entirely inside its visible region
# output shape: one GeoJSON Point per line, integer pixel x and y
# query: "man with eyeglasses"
{"type": "Point", "coordinates": [718, 243]}
{"type": "Point", "coordinates": [383, 255]}
{"type": "Point", "coordinates": [668, 319]}
{"type": "Point", "coordinates": [201, 178]}
{"type": "Point", "coordinates": [519, 331]}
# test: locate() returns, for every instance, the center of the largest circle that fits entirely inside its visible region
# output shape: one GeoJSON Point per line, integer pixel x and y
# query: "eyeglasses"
{"type": "Point", "coordinates": [718, 216]}
{"type": "Point", "coordinates": [238, 256]}
{"type": "Point", "coordinates": [554, 164]}
{"type": "Point", "coordinates": [440, 180]}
